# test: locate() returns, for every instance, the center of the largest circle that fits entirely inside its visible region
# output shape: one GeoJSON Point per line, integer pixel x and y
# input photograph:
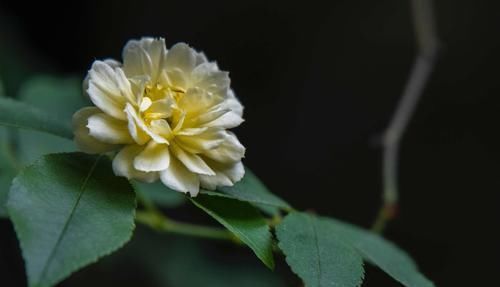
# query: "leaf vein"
{"type": "Point", "coordinates": [315, 235]}
{"type": "Point", "coordinates": [66, 224]}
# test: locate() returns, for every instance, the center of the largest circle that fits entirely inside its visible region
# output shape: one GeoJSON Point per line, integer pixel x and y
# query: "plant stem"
{"type": "Point", "coordinates": [153, 218]}
{"type": "Point", "coordinates": [161, 223]}
{"type": "Point", "coordinates": [428, 43]}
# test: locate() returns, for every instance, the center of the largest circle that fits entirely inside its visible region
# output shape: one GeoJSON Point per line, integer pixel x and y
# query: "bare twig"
{"type": "Point", "coordinates": [428, 43]}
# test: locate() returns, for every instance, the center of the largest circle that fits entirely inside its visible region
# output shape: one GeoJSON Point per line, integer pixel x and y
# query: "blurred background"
{"type": "Point", "coordinates": [319, 83]}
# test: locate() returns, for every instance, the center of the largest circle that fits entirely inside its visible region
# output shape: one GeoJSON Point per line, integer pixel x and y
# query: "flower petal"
{"type": "Point", "coordinates": [160, 109]}
{"type": "Point", "coordinates": [207, 76]}
{"type": "Point", "coordinates": [230, 151]}
{"type": "Point", "coordinates": [83, 140]}
{"type": "Point", "coordinates": [108, 129]}
{"type": "Point", "coordinates": [197, 101]}
{"type": "Point", "coordinates": [192, 162]}
{"type": "Point", "coordinates": [225, 175]}
{"type": "Point", "coordinates": [138, 128]}
{"type": "Point", "coordinates": [144, 57]}
{"type": "Point", "coordinates": [123, 165]}
{"type": "Point", "coordinates": [155, 157]}
{"type": "Point", "coordinates": [111, 62]}
{"type": "Point", "coordinates": [181, 56]}
{"type": "Point", "coordinates": [162, 128]}
{"type": "Point", "coordinates": [235, 172]}
{"type": "Point", "coordinates": [178, 178]}
{"type": "Point", "coordinates": [228, 120]}
{"type": "Point", "coordinates": [198, 143]}
{"type": "Point", "coordinates": [211, 182]}
{"type": "Point", "coordinates": [233, 103]}
{"type": "Point", "coordinates": [105, 91]}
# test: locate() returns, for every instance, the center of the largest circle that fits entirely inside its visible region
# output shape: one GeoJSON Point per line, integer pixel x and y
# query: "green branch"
{"type": "Point", "coordinates": [428, 43]}
{"type": "Point", "coordinates": [161, 223]}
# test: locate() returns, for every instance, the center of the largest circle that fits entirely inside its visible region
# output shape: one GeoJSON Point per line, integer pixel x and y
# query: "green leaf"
{"type": "Point", "coordinates": [298, 233]}
{"type": "Point", "coordinates": [158, 193]}
{"type": "Point", "coordinates": [250, 189]}
{"type": "Point", "coordinates": [6, 176]}
{"type": "Point", "coordinates": [315, 253]}
{"type": "Point", "coordinates": [380, 252]}
{"type": "Point", "coordinates": [20, 115]}
{"type": "Point", "coordinates": [243, 221]}
{"type": "Point", "coordinates": [7, 171]}
{"type": "Point", "coordinates": [68, 211]}
{"type": "Point", "coordinates": [56, 96]}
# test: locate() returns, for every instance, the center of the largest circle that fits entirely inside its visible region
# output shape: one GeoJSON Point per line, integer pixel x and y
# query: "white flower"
{"type": "Point", "coordinates": [167, 113]}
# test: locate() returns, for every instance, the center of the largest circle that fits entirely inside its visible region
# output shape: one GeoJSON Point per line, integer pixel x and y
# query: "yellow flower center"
{"type": "Point", "coordinates": [159, 102]}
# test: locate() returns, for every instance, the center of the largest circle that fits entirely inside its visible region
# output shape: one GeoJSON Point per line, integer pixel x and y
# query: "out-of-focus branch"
{"type": "Point", "coordinates": [428, 45]}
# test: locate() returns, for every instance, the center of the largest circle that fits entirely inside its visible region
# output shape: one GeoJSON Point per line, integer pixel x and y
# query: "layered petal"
{"type": "Point", "coordinates": [144, 57]}
{"type": "Point", "coordinates": [123, 164]}
{"type": "Point", "coordinates": [230, 151]}
{"type": "Point", "coordinates": [191, 161]}
{"type": "Point", "coordinates": [139, 130]}
{"type": "Point", "coordinates": [167, 113]}
{"type": "Point", "coordinates": [197, 141]}
{"type": "Point", "coordinates": [208, 77]}
{"type": "Point", "coordinates": [108, 129]}
{"type": "Point", "coordinates": [83, 140]}
{"type": "Point", "coordinates": [225, 175]}
{"type": "Point", "coordinates": [107, 90]}
{"type": "Point", "coordinates": [178, 177]}
{"type": "Point", "coordinates": [155, 157]}
{"type": "Point", "coordinates": [181, 57]}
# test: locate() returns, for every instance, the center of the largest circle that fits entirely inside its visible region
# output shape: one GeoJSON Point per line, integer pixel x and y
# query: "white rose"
{"type": "Point", "coordinates": [167, 113]}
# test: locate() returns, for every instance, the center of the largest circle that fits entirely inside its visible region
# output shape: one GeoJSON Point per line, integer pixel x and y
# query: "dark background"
{"type": "Point", "coordinates": [319, 83]}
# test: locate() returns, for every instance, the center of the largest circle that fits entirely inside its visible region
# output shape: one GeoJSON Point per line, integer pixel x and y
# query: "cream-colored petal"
{"type": "Point", "coordinates": [144, 57]}
{"type": "Point", "coordinates": [211, 182]}
{"type": "Point", "coordinates": [138, 86]}
{"type": "Point", "coordinates": [105, 91]}
{"type": "Point", "coordinates": [231, 119]}
{"type": "Point", "coordinates": [155, 157]}
{"type": "Point", "coordinates": [135, 130]}
{"type": "Point", "coordinates": [200, 58]}
{"type": "Point", "coordinates": [228, 120]}
{"type": "Point", "coordinates": [162, 128]}
{"type": "Point", "coordinates": [180, 122]}
{"type": "Point", "coordinates": [111, 62]}
{"type": "Point", "coordinates": [125, 87]}
{"type": "Point", "coordinates": [178, 178]}
{"type": "Point", "coordinates": [123, 165]}
{"type": "Point", "coordinates": [207, 76]}
{"type": "Point", "coordinates": [192, 131]}
{"type": "Point", "coordinates": [176, 78]}
{"type": "Point", "coordinates": [230, 151]}
{"type": "Point", "coordinates": [83, 140]}
{"type": "Point", "coordinates": [138, 128]}
{"type": "Point", "coordinates": [201, 142]}
{"type": "Point", "coordinates": [235, 172]}
{"type": "Point", "coordinates": [191, 161]}
{"type": "Point", "coordinates": [145, 104]}
{"type": "Point", "coordinates": [197, 101]}
{"type": "Point", "coordinates": [204, 117]}
{"type": "Point", "coordinates": [108, 129]}
{"type": "Point", "coordinates": [181, 56]}
{"type": "Point", "coordinates": [232, 103]}
{"type": "Point", "coordinates": [160, 108]}
{"type": "Point", "coordinates": [226, 175]}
